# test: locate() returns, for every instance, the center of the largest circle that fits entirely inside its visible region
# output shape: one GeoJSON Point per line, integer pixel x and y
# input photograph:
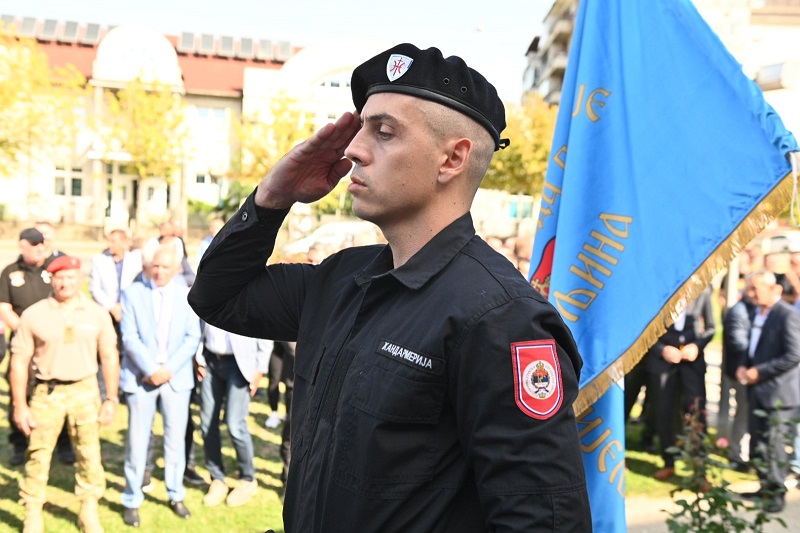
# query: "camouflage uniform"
{"type": "Point", "coordinates": [65, 342]}
{"type": "Point", "coordinates": [79, 403]}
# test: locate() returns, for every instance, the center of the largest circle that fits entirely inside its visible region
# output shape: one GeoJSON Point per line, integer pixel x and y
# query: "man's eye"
{"type": "Point", "coordinates": [383, 134]}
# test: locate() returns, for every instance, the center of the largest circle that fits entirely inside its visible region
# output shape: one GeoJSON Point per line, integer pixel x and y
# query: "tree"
{"type": "Point", "coordinates": [520, 168]}
{"type": "Point", "coordinates": [40, 107]}
{"type": "Point", "coordinates": [146, 121]}
{"type": "Point", "coordinates": [263, 139]}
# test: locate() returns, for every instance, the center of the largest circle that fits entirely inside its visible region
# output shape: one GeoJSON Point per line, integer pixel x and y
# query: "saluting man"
{"type": "Point", "coordinates": [420, 400]}
{"type": "Point", "coordinates": [63, 336]}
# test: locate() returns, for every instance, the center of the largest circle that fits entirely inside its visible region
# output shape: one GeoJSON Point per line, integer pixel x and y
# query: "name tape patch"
{"type": "Point", "coordinates": [537, 378]}
{"type": "Point", "coordinates": [410, 357]}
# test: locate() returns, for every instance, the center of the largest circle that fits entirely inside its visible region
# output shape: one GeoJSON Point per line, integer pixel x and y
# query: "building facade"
{"type": "Point", "coordinates": [761, 34]}
{"type": "Point", "coordinates": [217, 79]}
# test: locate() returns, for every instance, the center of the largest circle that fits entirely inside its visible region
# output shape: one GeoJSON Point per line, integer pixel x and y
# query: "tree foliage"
{"type": "Point", "coordinates": [40, 107]}
{"type": "Point", "coordinates": [262, 139]}
{"type": "Point", "coordinates": [520, 168]}
{"type": "Point", "coordinates": [146, 121]}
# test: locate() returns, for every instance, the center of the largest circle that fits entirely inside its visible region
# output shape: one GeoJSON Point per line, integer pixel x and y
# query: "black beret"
{"type": "Point", "coordinates": [32, 235]}
{"type": "Point", "coordinates": [427, 74]}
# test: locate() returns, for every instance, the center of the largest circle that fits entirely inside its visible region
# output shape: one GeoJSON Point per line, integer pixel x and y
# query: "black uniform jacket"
{"type": "Point", "coordinates": [404, 415]}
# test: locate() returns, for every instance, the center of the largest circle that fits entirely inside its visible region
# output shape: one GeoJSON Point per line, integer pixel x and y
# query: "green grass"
{"type": "Point", "coordinates": [641, 466]}
{"type": "Point", "coordinates": [261, 513]}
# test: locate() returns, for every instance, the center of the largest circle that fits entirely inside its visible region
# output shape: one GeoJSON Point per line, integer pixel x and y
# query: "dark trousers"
{"type": "Point", "coordinates": [769, 436]}
{"type": "Point", "coordinates": [281, 368]}
{"type": "Point", "coordinates": [689, 380]}
{"type": "Point", "coordinates": [634, 381]}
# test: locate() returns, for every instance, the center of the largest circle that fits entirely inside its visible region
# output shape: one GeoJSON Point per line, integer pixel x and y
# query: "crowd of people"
{"type": "Point", "coordinates": [760, 358]}
{"type": "Point", "coordinates": [133, 338]}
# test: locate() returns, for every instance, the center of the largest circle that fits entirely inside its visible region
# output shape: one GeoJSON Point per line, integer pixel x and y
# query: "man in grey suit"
{"type": "Point", "coordinates": [229, 369]}
{"type": "Point", "coordinates": [160, 334]}
{"type": "Point", "coordinates": [771, 373]}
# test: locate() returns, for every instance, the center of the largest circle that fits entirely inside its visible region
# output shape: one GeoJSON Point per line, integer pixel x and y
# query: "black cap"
{"type": "Point", "coordinates": [427, 74]}
{"type": "Point", "coordinates": [32, 235]}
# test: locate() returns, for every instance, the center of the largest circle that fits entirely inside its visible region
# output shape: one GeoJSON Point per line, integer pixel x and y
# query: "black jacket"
{"type": "Point", "coordinates": [776, 357]}
{"type": "Point", "coordinates": [404, 415]}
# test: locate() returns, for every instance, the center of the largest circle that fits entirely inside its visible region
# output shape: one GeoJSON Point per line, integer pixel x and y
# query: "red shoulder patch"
{"type": "Point", "coordinates": [537, 378]}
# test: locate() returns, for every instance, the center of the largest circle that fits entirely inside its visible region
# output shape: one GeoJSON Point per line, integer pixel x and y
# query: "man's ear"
{"type": "Point", "coordinates": [456, 161]}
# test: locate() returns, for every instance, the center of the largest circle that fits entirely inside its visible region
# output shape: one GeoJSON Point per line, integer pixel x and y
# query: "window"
{"type": "Point", "coordinates": [201, 178]}
{"type": "Point", "coordinates": [61, 187]}
{"type": "Point", "coordinates": [150, 193]}
{"type": "Point", "coordinates": [77, 186]}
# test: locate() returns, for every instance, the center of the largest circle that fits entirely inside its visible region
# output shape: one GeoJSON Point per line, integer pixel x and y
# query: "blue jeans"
{"type": "Point", "coordinates": [224, 379]}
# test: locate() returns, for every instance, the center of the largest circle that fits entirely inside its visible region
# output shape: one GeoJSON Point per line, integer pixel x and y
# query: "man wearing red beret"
{"type": "Point", "coordinates": [63, 336]}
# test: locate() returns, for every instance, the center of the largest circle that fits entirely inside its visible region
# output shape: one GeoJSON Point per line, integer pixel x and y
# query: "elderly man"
{"type": "Point", "coordinates": [771, 373]}
{"type": "Point", "coordinates": [433, 385]}
{"type": "Point", "coordinates": [23, 283]}
{"type": "Point", "coordinates": [160, 334]}
{"type": "Point", "coordinates": [63, 336]}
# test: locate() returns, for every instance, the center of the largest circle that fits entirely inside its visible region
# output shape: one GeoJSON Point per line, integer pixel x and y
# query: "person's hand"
{"type": "Point", "coordinates": [255, 382]}
{"type": "Point", "coordinates": [116, 312]}
{"type": "Point", "coordinates": [690, 352]}
{"type": "Point", "coordinates": [671, 354]}
{"type": "Point", "coordinates": [751, 375]}
{"type": "Point", "coordinates": [107, 411]}
{"type": "Point", "coordinates": [160, 376]}
{"type": "Point", "coordinates": [741, 375]}
{"type": "Point", "coordinates": [312, 168]}
{"type": "Point", "coordinates": [199, 371]}
{"type": "Point", "coordinates": [23, 418]}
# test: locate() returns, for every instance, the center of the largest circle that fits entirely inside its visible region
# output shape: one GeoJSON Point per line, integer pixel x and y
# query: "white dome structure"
{"type": "Point", "coordinates": [130, 52]}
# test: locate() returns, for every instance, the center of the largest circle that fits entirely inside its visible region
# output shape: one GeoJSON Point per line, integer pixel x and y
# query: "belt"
{"type": "Point", "coordinates": [52, 383]}
{"type": "Point", "coordinates": [206, 351]}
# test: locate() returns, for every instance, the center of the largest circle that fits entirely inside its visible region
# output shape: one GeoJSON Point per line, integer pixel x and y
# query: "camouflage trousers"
{"type": "Point", "coordinates": [79, 404]}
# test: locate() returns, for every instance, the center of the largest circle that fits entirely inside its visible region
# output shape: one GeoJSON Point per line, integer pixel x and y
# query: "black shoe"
{"type": "Point", "coordinates": [757, 495]}
{"type": "Point", "coordinates": [17, 457]}
{"type": "Point", "coordinates": [131, 517]}
{"type": "Point", "coordinates": [180, 509]}
{"type": "Point", "coordinates": [66, 455]}
{"type": "Point", "coordinates": [739, 466]}
{"type": "Point", "coordinates": [191, 477]}
{"type": "Point", "coordinates": [147, 481]}
{"type": "Point", "coordinates": [774, 504]}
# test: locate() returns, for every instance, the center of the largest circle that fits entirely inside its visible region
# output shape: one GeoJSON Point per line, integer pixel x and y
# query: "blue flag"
{"type": "Point", "coordinates": [666, 161]}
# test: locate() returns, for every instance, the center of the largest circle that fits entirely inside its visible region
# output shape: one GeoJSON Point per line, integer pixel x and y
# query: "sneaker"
{"type": "Point", "coordinates": [273, 421]}
{"type": "Point", "coordinates": [774, 504]}
{"type": "Point", "coordinates": [216, 493]}
{"type": "Point", "coordinates": [147, 482]}
{"type": "Point", "coordinates": [191, 477]}
{"type": "Point", "coordinates": [243, 492]}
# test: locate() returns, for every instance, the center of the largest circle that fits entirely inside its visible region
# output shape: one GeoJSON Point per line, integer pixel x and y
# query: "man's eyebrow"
{"type": "Point", "coordinates": [379, 117]}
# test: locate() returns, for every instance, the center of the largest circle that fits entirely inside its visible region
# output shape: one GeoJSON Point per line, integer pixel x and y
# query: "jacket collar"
{"type": "Point", "coordinates": [428, 261]}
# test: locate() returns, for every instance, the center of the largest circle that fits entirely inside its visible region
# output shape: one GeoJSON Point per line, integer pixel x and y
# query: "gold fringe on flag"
{"type": "Point", "coordinates": [764, 213]}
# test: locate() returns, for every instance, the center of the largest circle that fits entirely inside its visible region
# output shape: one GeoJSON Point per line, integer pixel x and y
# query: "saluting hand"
{"type": "Point", "coordinates": [23, 418]}
{"type": "Point", "coordinates": [312, 168]}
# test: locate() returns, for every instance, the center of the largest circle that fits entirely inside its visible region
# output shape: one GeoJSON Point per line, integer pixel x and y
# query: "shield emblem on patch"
{"type": "Point", "coordinates": [397, 65]}
{"type": "Point", "coordinates": [538, 390]}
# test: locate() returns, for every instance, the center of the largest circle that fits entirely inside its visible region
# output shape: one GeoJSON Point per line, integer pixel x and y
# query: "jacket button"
{"type": "Point", "coordinates": [244, 216]}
